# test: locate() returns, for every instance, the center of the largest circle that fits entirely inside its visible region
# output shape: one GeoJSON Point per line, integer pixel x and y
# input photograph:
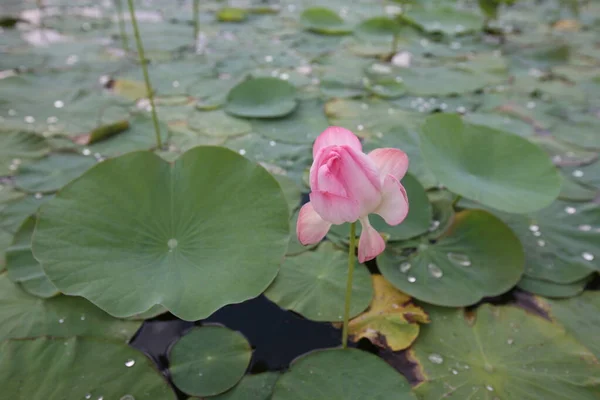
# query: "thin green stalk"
{"type": "Point", "coordinates": [351, 257]}
{"type": "Point", "coordinates": [121, 21]}
{"type": "Point", "coordinates": [456, 200]}
{"type": "Point", "coordinates": [140, 47]}
{"type": "Point", "coordinates": [395, 43]}
{"type": "Point", "coordinates": [196, 20]}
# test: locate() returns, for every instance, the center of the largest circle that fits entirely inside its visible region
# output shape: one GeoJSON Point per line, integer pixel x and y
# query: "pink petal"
{"type": "Point", "coordinates": [336, 136]}
{"type": "Point", "coordinates": [370, 244]}
{"type": "Point", "coordinates": [311, 228]}
{"type": "Point", "coordinates": [334, 209]}
{"type": "Point", "coordinates": [390, 161]}
{"type": "Point", "coordinates": [394, 206]}
{"type": "Point", "coordinates": [359, 176]}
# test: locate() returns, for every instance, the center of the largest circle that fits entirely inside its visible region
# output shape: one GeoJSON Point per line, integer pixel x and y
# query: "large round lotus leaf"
{"type": "Point", "coordinates": [26, 316]}
{"type": "Point", "coordinates": [23, 268]}
{"type": "Point", "coordinates": [252, 387]}
{"type": "Point", "coordinates": [324, 20]}
{"type": "Point", "coordinates": [580, 316]}
{"type": "Point", "coordinates": [261, 98]}
{"type": "Point", "coordinates": [391, 321]}
{"type": "Point", "coordinates": [136, 231]}
{"type": "Point", "coordinates": [53, 172]}
{"type": "Point", "coordinates": [552, 289]}
{"type": "Point", "coordinates": [313, 284]}
{"type": "Point", "coordinates": [416, 223]}
{"type": "Point", "coordinates": [78, 368]}
{"type": "Point", "coordinates": [291, 191]}
{"type": "Point", "coordinates": [478, 256]}
{"type": "Point", "coordinates": [588, 175]}
{"type": "Point", "coordinates": [443, 19]}
{"type": "Point", "coordinates": [561, 241]}
{"type": "Point", "coordinates": [16, 147]}
{"type": "Point", "coordinates": [302, 126]}
{"type": "Point", "coordinates": [445, 80]}
{"type": "Point", "coordinates": [504, 353]}
{"type": "Point", "coordinates": [218, 123]}
{"type": "Point", "coordinates": [348, 374]}
{"type": "Point", "coordinates": [495, 168]}
{"type": "Point", "coordinates": [209, 360]}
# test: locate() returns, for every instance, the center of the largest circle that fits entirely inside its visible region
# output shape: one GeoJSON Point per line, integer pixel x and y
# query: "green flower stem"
{"type": "Point", "coordinates": [196, 20]}
{"type": "Point", "coordinates": [456, 200]}
{"type": "Point", "coordinates": [125, 42]}
{"type": "Point", "coordinates": [140, 47]}
{"type": "Point", "coordinates": [395, 41]}
{"type": "Point", "coordinates": [351, 260]}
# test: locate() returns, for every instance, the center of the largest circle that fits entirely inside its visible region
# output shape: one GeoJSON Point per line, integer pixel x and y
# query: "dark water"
{"type": "Point", "coordinates": [277, 336]}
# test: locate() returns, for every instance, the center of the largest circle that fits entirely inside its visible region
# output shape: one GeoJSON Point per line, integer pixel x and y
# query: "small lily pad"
{"type": "Point", "coordinates": [324, 20]}
{"type": "Point", "coordinates": [209, 360]}
{"type": "Point", "coordinates": [53, 172]}
{"type": "Point", "coordinates": [262, 98]}
{"type": "Point", "coordinates": [552, 289]}
{"type": "Point", "coordinates": [391, 321]}
{"type": "Point", "coordinates": [313, 284]}
{"type": "Point", "coordinates": [218, 123]}
{"type": "Point", "coordinates": [44, 368]}
{"type": "Point", "coordinates": [478, 256]}
{"type": "Point", "coordinates": [231, 14]}
{"type": "Point", "coordinates": [252, 387]}
{"type": "Point", "coordinates": [25, 316]}
{"type": "Point", "coordinates": [501, 352]}
{"type": "Point", "coordinates": [580, 316]}
{"type": "Point", "coordinates": [492, 167]}
{"type": "Point", "coordinates": [447, 20]}
{"type": "Point", "coordinates": [348, 374]}
{"type": "Point", "coordinates": [18, 147]}
{"type": "Point", "coordinates": [23, 268]}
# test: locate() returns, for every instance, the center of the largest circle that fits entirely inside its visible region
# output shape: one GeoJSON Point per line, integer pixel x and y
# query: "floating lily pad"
{"type": "Point", "coordinates": [492, 167]}
{"type": "Point", "coordinates": [53, 172]}
{"type": "Point", "coordinates": [231, 14]}
{"type": "Point", "coordinates": [291, 191]}
{"type": "Point", "coordinates": [23, 268]}
{"type": "Point", "coordinates": [218, 123]}
{"type": "Point", "coordinates": [348, 374]}
{"type": "Point", "coordinates": [444, 19]}
{"type": "Point", "coordinates": [324, 20]}
{"type": "Point", "coordinates": [313, 284]}
{"type": "Point", "coordinates": [477, 257]}
{"type": "Point", "coordinates": [139, 136]}
{"type": "Point", "coordinates": [18, 147]}
{"type": "Point", "coordinates": [16, 212]}
{"type": "Point", "coordinates": [45, 367]}
{"type": "Point", "coordinates": [501, 352]}
{"type": "Point", "coordinates": [552, 289]}
{"type": "Point", "coordinates": [416, 223]}
{"type": "Point", "coordinates": [261, 98]}
{"type": "Point", "coordinates": [209, 360]}
{"type": "Point", "coordinates": [302, 126]}
{"type": "Point", "coordinates": [580, 316]}
{"type": "Point", "coordinates": [582, 130]}
{"type": "Point", "coordinates": [391, 321]}
{"type": "Point", "coordinates": [252, 387]}
{"type": "Point", "coordinates": [378, 29]}
{"type": "Point", "coordinates": [560, 241]}
{"type": "Point", "coordinates": [26, 316]}
{"type": "Point", "coordinates": [180, 246]}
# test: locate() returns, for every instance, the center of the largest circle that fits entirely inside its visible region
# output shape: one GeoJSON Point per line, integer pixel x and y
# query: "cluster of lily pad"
{"type": "Point", "coordinates": [488, 289]}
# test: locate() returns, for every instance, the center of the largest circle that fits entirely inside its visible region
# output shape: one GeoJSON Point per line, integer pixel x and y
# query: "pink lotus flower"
{"type": "Point", "coordinates": [347, 185]}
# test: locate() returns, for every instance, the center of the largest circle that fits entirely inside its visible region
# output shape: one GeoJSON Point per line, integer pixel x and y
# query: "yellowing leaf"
{"type": "Point", "coordinates": [391, 321]}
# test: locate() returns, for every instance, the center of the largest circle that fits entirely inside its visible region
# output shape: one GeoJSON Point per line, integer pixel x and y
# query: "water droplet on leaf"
{"type": "Point", "coordinates": [435, 358]}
